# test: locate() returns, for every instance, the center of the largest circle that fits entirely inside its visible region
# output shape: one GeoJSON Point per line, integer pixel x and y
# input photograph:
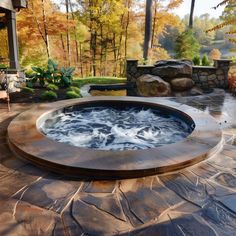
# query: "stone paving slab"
{"type": "Point", "coordinates": [199, 200]}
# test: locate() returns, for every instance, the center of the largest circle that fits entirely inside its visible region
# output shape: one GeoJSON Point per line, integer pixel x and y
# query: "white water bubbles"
{"type": "Point", "coordinates": [116, 128]}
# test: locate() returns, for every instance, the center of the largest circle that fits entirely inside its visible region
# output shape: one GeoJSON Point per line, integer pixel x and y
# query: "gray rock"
{"type": "Point", "coordinates": [181, 84]}
{"type": "Point", "coordinates": [196, 91]}
{"type": "Point", "coordinates": [152, 86]}
{"type": "Point", "coordinates": [212, 77]}
{"type": "Point", "coordinates": [219, 72]}
{"type": "Point", "coordinates": [171, 69]}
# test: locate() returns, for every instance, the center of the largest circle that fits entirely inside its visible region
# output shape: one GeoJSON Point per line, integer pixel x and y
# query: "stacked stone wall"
{"type": "Point", "coordinates": [216, 76]}
{"type": "Point", "coordinates": [14, 81]}
{"type": "Point", "coordinates": [205, 77]}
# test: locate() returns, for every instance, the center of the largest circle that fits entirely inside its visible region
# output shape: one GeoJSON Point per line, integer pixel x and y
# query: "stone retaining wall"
{"type": "Point", "coordinates": [212, 76]}
{"type": "Point", "coordinates": [206, 77]}
{"type": "Point", "coordinates": [15, 81]}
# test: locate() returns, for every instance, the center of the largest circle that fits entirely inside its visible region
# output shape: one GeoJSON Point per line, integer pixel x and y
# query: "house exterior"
{"type": "Point", "coordinates": [9, 8]}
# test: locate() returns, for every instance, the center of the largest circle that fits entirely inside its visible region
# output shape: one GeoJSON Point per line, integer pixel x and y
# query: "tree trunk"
{"type": "Point", "coordinates": [63, 48]}
{"type": "Point", "coordinates": [191, 15]}
{"type": "Point", "coordinates": [154, 23]}
{"type": "Point", "coordinates": [114, 54]}
{"type": "Point", "coordinates": [148, 28]}
{"type": "Point", "coordinates": [75, 34]}
{"type": "Point", "coordinates": [101, 50]}
{"type": "Point", "coordinates": [93, 46]}
{"type": "Point", "coordinates": [68, 33]}
{"type": "Point", "coordinates": [126, 29]}
{"type": "Point", "coordinates": [81, 61]}
{"type": "Point", "coordinates": [46, 37]}
{"type": "Point", "coordinates": [93, 36]}
{"type": "Point", "coordinates": [119, 51]}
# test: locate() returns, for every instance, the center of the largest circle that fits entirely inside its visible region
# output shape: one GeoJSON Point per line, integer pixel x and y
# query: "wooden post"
{"type": "Point", "coordinates": [12, 40]}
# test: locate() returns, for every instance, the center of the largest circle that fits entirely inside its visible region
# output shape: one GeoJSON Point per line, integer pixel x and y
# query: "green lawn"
{"type": "Point", "coordinates": [79, 82]}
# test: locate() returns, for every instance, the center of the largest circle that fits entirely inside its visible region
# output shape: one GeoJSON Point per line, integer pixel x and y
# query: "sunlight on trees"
{"type": "Point", "coordinates": [96, 37]}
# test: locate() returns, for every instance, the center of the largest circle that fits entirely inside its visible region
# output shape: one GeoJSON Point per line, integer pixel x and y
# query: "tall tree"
{"type": "Point", "coordinates": [191, 14]}
{"type": "Point", "coordinates": [68, 32]}
{"type": "Point", "coordinates": [187, 46]}
{"type": "Point", "coordinates": [37, 24]}
{"type": "Point", "coordinates": [148, 29]}
{"type": "Point", "coordinates": [45, 35]}
{"type": "Point", "coordinates": [162, 18]}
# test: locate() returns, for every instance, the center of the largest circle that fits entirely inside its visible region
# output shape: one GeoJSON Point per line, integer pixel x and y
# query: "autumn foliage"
{"type": "Point", "coordinates": [229, 19]}
{"type": "Point", "coordinates": [95, 37]}
{"type": "Point", "coordinates": [215, 54]}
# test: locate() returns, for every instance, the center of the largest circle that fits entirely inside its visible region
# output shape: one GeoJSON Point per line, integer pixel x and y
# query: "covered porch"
{"type": "Point", "coordinates": [8, 9]}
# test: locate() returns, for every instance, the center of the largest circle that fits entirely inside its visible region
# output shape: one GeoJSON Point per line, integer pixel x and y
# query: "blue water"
{"type": "Point", "coordinates": [109, 128]}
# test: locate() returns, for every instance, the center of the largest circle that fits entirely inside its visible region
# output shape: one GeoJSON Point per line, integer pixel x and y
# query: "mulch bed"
{"type": "Point", "coordinates": [35, 97]}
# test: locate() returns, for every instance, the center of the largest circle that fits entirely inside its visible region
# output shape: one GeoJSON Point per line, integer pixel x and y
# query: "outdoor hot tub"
{"type": "Point", "coordinates": [114, 137]}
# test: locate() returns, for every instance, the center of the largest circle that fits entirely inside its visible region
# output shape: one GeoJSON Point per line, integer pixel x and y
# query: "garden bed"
{"type": "Point", "coordinates": [36, 96]}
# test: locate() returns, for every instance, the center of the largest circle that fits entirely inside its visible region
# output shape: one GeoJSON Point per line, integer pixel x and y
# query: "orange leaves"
{"type": "Point", "coordinates": [174, 4]}
{"type": "Point", "coordinates": [215, 54]}
{"type": "Point", "coordinates": [31, 19]}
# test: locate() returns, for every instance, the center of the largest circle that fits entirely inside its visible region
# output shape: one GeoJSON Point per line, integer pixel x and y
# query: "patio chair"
{"type": "Point", "coordinates": [4, 92]}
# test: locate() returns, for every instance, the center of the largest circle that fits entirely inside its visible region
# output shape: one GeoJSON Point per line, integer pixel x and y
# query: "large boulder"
{"type": "Point", "coordinates": [181, 84]}
{"type": "Point", "coordinates": [152, 86]}
{"type": "Point", "coordinates": [170, 69]}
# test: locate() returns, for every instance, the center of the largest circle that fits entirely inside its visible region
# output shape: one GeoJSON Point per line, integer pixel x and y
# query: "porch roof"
{"type": "Point", "coordinates": [10, 5]}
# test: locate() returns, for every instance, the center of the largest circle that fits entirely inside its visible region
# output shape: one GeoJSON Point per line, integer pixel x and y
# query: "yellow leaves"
{"type": "Point", "coordinates": [228, 22]}
{"type": "Point", "coordinates": [174, 4]}
{"type": "Point", "coordinates": [4, 45]}
{"type": "Point", "coordinates": [231, 32]}
{"type": "Point", "coordinates": [165, 19]}
{"type": "Point", "coordinates": [159, 53]}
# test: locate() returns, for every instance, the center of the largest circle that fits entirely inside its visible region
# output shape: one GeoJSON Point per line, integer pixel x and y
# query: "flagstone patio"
{"type": "Point", "coordinates": [198, 200]}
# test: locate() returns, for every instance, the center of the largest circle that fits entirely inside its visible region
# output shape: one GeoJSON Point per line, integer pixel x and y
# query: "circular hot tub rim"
{"type": "Point", "coordinates": [29, 143]}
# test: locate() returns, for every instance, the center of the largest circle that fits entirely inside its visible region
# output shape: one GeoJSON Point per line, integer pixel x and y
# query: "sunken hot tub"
{"type": "Point", "coordinates": [114, 137]}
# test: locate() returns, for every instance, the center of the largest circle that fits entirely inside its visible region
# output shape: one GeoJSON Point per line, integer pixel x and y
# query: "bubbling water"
{"type": "Point", "coordinates": [111, 128]}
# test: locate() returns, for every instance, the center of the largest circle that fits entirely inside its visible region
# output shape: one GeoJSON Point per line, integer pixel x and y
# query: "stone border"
{"type": "Point", "coordinates": [206, 77]}
{"type": "Point", "coordinates": [29, 143]}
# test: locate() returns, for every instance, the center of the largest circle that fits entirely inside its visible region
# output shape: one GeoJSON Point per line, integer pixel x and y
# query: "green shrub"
{"type": "Point", "coordinates": [233, 59]}
{"type": "Point", "coordinates": [3, 66]}
{"type": "Point", "coordinates": [52, 87]}
{"type": "Point", "coordinates": [41, 76]}
{"type": "Point", "coordinates": [52, 74]}
{"type": "Point", "coordinates": [65, 76]}
{"type": "Point", "coordinates": [205, 60]}
{"type": "Point", "coordinates": [197, 61]}
{"type": "Point", "coordinates": [74, 89]}
{"type": "Point", "coordinates": [49, 95]}
{"type": "Point", "coordinates": [186, 45]}
{"type": "Point", "coordinates": [29, 84]}
{"type": "Point", "coordinates": [27, 90]}
{"type": "Point", "coordinates": [72, 94]}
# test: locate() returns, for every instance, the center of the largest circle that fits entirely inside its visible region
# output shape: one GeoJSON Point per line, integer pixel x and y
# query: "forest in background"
{"type": "Point", "coordinates": [96, 36]}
